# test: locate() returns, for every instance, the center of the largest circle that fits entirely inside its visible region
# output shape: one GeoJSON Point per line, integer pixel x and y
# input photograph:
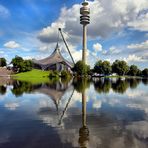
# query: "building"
{"type": "Point", "coordinates": [53, 62]}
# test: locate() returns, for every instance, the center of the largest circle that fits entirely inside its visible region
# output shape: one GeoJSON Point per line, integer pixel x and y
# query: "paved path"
{"type": "Point", "coordinates": [5, 76]}
{"type": "Point", "coordinates": [4, 72]}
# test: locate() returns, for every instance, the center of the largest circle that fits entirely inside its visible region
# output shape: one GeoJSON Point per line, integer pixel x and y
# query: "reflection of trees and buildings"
{"type": "Point", "coordinates": [3, 89]}
{"type": "Point", "coordinates": [54, 90]}
{"type": "Point", "coordinates": [102, 85]}
{"type": "Point", "coordinates": [117, 85]}
{"type": "Point", "coordinates": [106, 130]}
{"type": "Point", "coordinates": [145, 81]}
{"type": "Point", "coordinates": [80, 126]}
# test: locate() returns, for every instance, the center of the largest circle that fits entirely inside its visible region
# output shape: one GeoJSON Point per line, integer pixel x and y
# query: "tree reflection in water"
{"type": "Point", "coordinates": [120, 86]}
{"type": "Point", "coordinates": [105, 127]}
{"type": "Point", "coordinates": [145, 81]}
{"type": "Point", "coordinates": [102, 85]}
{"type": "Point", "coordinates": [3, 90]}
{"type": "Point", "coordinates": [134, 83]}
{"type": "Point", "coordinates": [80, 84]}
{"type": "Point", "coordinates": [20, 87]}
{"type": "Point", "coordinates": [117, 85]}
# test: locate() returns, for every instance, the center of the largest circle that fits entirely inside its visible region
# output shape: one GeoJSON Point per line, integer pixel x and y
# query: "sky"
{"type": "Point", "coordinates": [118, 29]}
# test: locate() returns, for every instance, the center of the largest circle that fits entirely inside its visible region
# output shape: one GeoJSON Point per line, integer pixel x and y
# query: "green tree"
{"type": "Point", "coordinates": [17, 61]}
{"type": "Point", "coordinates": [133, 70]}
{"type": "Point", "coordinates": [21, 65]}
{"type": "Point", "coordinates": [145, 72]}
{"type": "Point", "coordinates": [81, 68]}
{"type": "Point", "coordinates": [98, 67]}
{"type": "Point", "coordinates": [120, 67]}
{"type": "Point", "coordinates": [103, 67]}
{"type": "Point", "coordinates": [3, 62]}
{"type": "Point", "coordinates": [139, 72]}
{"type": "Point", "coordinates": [26, 65]}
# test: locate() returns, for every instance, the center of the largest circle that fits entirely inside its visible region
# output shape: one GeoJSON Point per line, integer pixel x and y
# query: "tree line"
{"type": "Point", "coordinates": [105, 68]}
{"type": "Point", "coordinates": [19, 64]}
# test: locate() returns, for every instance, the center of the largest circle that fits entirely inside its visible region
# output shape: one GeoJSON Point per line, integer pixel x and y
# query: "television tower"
{"type": "Point", "coordinates": [84, 20]}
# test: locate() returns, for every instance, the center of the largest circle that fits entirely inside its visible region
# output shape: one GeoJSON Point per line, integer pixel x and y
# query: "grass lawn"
{"type": "Point", "coordinates": [34, 76]}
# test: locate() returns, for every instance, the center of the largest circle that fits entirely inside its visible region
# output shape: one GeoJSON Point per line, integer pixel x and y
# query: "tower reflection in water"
{"type": "Point", "coordinates": [83, 131]}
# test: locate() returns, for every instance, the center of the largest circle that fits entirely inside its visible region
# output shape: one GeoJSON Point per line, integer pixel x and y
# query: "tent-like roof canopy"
{"type": "Point", "coordinates": [54, 58]}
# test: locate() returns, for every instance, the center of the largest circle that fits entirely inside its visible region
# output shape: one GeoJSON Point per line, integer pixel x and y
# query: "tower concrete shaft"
{"type": "Point", "coordinates": [84, 20]}
{"type": "Point", "coordinates": [84, 108]}
{"type": "Point", "coordinates": [84, 50]}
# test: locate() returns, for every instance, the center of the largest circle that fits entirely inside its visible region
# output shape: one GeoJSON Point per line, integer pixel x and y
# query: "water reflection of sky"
{"type": "Point", "coordinates": [114, 119]}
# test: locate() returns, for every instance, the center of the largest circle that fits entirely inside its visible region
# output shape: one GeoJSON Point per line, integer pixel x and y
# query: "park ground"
{"type": "Point", "coordinates": [34, 76]}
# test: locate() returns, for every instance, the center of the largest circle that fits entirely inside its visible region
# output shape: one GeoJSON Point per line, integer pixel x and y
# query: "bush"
{"type": "Point", "coordinates": [3, 62]}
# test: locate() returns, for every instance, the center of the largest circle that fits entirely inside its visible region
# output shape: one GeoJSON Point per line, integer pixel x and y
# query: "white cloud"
{"type": "Point", "coordinates": [139, 128]}
{"type": "Point", "coordinates": [134, 58]}
{"type": "Point", "coordinates": [97, 47]}
{"type": "Point", "coordinates": [11, 44]}
{"type": "Point", "coordinates": [112, 50]}
{"type": "Point", "coordinates": [37, 57]}
{"type": "Point", "coordinates": [138, 52]}
{"type": "Point", "coordinates": [77, 55]}
{"type": "Point", "coordinates": [50, 33]}
{"type": "Point", "coordinates": [12, 106]}
{"type": "Point", "coordinates": [140, 46]}
{"type": "Point", "coordinates": [43, 48]}
{"type": "Point", "coordinates": [4, 12]}
{"type": "Point", "coordinates": [1, 52]}
{"type": "Point", "coordinates": [97, 104]}
{"type": "Point", "coordinates": [106, 17]}
{"type": "Point", "coordinates": [141, 23]}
